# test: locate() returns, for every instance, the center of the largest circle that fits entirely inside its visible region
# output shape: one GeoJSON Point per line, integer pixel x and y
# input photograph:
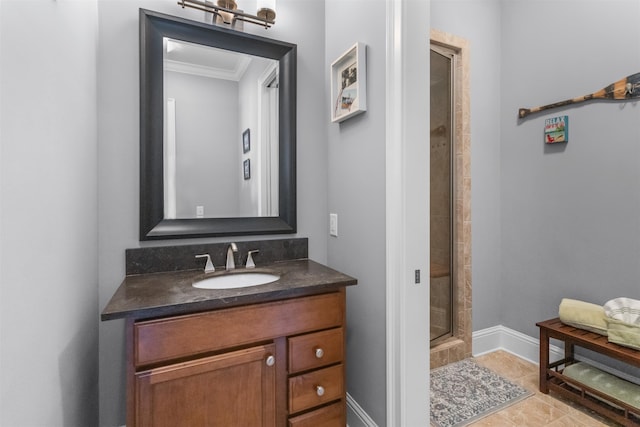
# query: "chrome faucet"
{"type": "Point", "coordinates": [208, 267]}
{"type": "Point", "coordinates": [231, 264]}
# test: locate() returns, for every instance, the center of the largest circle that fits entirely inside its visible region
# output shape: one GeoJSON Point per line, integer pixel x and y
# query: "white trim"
{"type": "Point", "coordinates": [359, 415]}
{"type": "Point", "coordinates": [528, 348]}
{"type": "Point", "coordinates": [266, 137]}
{"type": "Point", "coordinates": [503, 338]}
{"type": "Point", "coordinates": [394, 214]}
{"type": "Point", "coordinates": [170, 175]}
{"type": "Point", "coordinates": [407, 211]}
{"type": "Point", "coordinates": [208, 71]}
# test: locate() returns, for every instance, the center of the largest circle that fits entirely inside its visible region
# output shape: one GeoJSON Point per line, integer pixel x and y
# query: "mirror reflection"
{"type": "Point", "coordinates": [220, 136]}
{"type": "Point", "coordinates": [232, 176]}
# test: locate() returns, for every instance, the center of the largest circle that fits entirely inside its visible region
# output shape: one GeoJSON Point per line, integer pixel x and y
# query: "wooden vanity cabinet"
{"type": "Point", "coordinates": [270, 364]}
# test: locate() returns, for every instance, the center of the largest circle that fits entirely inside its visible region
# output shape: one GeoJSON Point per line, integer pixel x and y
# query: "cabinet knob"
{"type": "Point", "coordinates": [271, 360]}
{"type": "Point", "coordinates": [319, 353]}
{"type": "Point", "coordinates": [319, 390]}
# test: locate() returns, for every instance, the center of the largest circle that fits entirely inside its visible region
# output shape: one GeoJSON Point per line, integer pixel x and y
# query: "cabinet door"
{"type": "Point", "coordinates": [235, 389]}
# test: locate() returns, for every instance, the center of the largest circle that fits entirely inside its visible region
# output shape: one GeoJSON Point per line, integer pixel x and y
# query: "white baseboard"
{"type": "Point", "coordinates": [502, 338]}
{"type": "Point", "coordinates": [356, 416]}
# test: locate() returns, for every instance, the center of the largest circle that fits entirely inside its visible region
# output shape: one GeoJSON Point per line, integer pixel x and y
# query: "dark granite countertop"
{"type": "Point", "coordinates": [171, 293]}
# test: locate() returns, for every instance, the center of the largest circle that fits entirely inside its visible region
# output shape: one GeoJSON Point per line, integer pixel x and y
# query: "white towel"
{"type": "Point", "coordinates": [624, 309]}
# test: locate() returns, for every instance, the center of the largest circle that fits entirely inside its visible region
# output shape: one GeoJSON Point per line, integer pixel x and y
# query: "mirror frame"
{"type": "Point", "coordinates": [153, 226]}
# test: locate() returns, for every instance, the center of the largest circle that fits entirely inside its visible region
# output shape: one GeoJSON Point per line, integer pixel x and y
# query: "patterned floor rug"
{"type": "Point", "coordinates": [464, 392]}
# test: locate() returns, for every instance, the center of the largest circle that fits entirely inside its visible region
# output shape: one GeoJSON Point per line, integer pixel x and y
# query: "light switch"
{"type": "Point", "coordinates": [333, 224]}
{"type": "Point", "coordinates": [199, 211]}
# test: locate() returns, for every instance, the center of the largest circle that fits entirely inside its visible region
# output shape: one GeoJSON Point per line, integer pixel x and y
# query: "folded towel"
{"type": "Point", "coordinates": [604, 382]}
{"type": "Point", "coordinates": [622, 333]}
{"type": "Point", "coordinates": [623, 309]}
{"type": "Point", "coordinates": [583, 315]}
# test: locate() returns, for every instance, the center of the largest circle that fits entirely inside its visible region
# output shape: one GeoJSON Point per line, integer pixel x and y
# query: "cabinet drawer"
{"type": "Point", "coordinates": [183, 336]}
{"type": "Point", "coordinates": [315, 388]}
{"type": "Point", "coordinates": [328, 416]}
{"type": "Point", "coordinates": [315, 350]}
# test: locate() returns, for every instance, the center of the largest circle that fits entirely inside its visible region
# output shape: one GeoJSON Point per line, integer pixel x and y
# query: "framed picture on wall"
{"type": "Point", "coordinates": [246, 141]}
{"type": "Point", "coordinates": [246, 166]}
{"type": "Point", "coordinates": [349, 84]}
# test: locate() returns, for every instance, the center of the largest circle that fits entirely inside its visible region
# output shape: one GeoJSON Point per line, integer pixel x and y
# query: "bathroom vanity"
{"type": "Point", "coordinates": [268, 355]}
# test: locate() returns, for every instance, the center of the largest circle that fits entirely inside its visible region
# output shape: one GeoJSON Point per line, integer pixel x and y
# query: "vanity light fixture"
{"type": "Point", "coordinates": [226, 11]}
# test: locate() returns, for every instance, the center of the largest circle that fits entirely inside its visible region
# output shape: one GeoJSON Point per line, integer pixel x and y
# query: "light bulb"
{"type": "Point", "coordinates": [227, 17]}
{"type": "Point", "coordinates": [266, 9]}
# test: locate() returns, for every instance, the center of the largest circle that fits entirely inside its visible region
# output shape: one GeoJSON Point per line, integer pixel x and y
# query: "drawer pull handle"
{"type": "Point", "coordinates": [320, 390]}
{"type": "Point", "coordinates": [271, 360]}
{"type": "Point", "coordinates": [319, 353]}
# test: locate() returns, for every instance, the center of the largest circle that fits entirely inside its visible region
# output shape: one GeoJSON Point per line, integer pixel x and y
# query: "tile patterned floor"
{"type": "Point", "coordinates": [538, 410]}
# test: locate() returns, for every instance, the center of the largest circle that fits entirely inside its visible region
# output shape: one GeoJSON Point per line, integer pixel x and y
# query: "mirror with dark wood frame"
{"type": "Point", "coordinates": [155, 223]}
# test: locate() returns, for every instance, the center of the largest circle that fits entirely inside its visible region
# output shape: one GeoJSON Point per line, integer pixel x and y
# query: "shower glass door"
{"type": "Point", "coordinates": [441, 218]}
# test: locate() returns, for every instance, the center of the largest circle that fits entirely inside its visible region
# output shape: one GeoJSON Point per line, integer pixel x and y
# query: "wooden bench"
{"type": "Point", "coordinates": [551, 377]}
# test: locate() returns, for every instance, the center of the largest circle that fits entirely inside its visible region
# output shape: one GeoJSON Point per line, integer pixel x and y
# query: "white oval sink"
{"type": "Point", "coordinates": [239, 280]}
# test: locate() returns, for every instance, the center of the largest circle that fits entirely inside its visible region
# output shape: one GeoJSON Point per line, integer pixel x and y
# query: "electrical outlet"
{"type": "Point", "coordinates": [333, 225]}
{"type": "Point", "coordinates": [199, 211]}
{"type": "Point", "coordinates": [417, 274]}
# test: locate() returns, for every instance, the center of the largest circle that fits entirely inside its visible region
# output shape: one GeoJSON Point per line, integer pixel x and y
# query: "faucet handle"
{"type": "Point", "coordinates": [208, 267]}
{"type": "Point", "coordinates": [250, 263]}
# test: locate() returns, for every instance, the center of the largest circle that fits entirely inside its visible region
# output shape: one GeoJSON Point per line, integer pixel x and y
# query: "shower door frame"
{"type": "Point", "coordinates": [458, 346]}
{"type": "Point", "coordinates": [452, 55]}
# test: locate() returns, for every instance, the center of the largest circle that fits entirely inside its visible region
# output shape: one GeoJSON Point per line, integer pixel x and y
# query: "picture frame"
{"type": "Point", "coordinates": [246, 167]}
{"type": "Point", "coordinates": [246, 141]}
{"type": "Point", "coordinates": [349, 83]}
{"type": "Point", "coordinates": [556, 129]}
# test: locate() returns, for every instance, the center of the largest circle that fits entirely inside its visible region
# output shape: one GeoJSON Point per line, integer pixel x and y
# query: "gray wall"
{"type": "Point", "coordinates": [248, 91]}
{"type": "Point", "coordinates": [48, 223]}
{"type": "Point", "coordinates": [300, 22]}
{"type": "Point", "coordinates": [357, 195]}
{"type": "Point", "coordinates": [479, 23]}
{"type": "Point", "coordinates": [570, 224]}
{"type": "Point", "coordinates": [208, 161]}
{"type": "Point", "coordinates": [548, 221]}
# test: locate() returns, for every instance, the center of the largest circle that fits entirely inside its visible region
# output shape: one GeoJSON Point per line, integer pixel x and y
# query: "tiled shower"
{"type": "Point", "coordinates": [450, 200]}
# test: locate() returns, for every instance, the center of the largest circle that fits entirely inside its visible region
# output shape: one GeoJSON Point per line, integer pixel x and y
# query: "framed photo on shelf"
{"type": "Point", "coordinates": [349, 83]}
{"type": "Point", "coordinates": [246, 167]}
{"type": "Point", "coordinates": [246, 141]}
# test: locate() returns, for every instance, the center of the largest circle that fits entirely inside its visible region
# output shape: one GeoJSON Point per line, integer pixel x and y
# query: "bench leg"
{"type": "Point", "coordinates": [544, 361]}
{"type": "Point", "coordinates": [568, 350]}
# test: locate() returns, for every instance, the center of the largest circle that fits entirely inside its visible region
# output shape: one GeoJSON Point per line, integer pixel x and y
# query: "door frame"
{"type": "Point", "coordinates": [407, 211]}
